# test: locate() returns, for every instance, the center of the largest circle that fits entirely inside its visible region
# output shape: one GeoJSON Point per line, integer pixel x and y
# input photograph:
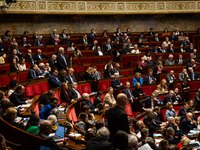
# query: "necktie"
{"type": "Point", "coordinates": [97, 75]}
{"type": "Point", "coordinates": [130, 94]}
{"type": "Point", "coordinates": [57, 79]}
{"type": "Point", "coordinates": [193, 76]}
{"type": "Point", "coordinates": [39, 57]}
{"type": "Point", "coordinates": [34, 73]}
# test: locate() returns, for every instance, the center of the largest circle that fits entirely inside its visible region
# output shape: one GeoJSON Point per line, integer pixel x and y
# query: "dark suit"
{"type": "Point", "coordinates": [96, 53]}
{"type": "Point", "coordinates": [98, 101]}
{"type": "Point", "coordinates": [116, 83]}
{"type": "Point", "coordinates": [180, 100]}
{"type": "Point", "coordinates": [182, 111]}
{"type": "Point", "coordinates": [147, 80]}
{"type": "Point", "coordinates": [154, 50]}
{"type": "Point", "coordinates": [37, 43]}
{"type": "Point", "coordinates": [196, 76]}
{"type": "Point", "coordinates": [169, 78]}
{"type": "Point", "coordinates": [13, 68]}
{"type": "Point", "coordinates": [42, 56]}
{"type": "Point", "coordinates": [185, 43]}
{"type": "Point", "coordinates": [12, 57]}
{"type": "Point", "coordinates": [17, 99]}
{"type": "Point", "coordinates": [81, 41]}
{"type": "Point", "coordinates": [149, 63]}
{"type": "Point", "coordinates": [107, 74]}
{"type": "Point", "coordinates": [148, 103]}
{"type": "Point", "coordinates": [168, 99]}
{"type": "Point", "coordinates": [117, 120]}
{"type": "Point", "coordinates": [105, 47]}
{"type": "Point", "coordinates": [177, 132]}
{"type": "Point", "coordinates": [91, 36]}
{"type": "Point", "coordinates": [136, 92]}
{"type": "Point", "coordinates": [53, 83]}
{"type": "Point", "coordinates": [66, 42]}
{"type": "Point", "coordinates": [21, 126]}
{"type": "Point", "coordinates": [157, 118]}
{"type": "Point", "coordinates": [189, 49]}
{"type": "Point", "coordinates": [114, 70]}
{"type": "Point", "coordinates": [116, 56]}
{"type": "Point", "coordinates": [154, 39]}
{"type": "Point", "coordinates": [2, 46]}
{"type": "Point", "coordinates": [190, 65]}
{"type": "Point", "coordinates": [179, 50]}
{"type": "Point", "coordinates": [61, 63]}
{"type": "Point", "coordinates": [62, 35]}
{"type": "Point", "coordinates": [186, 126]}
{"type": "Point", "coordinates": [169, 50]}
{"type": "Point", "coordinates": [156, 61]}
{"type": "Point", "coordinates": [73, 92]}
{"type": "Point", "coordinates": [21, 43]}
{"type": "Point", "coordinates": [52, 42]}
{"type": "Point", "coordinates": [28, 58]}
{"type": "Point", "coordinates": [32, 75]}
{"type": "Point", "coordinates": [86, 77]}
{"type": "Point", "coordinates": [177, 61]}
{"type": "Point", "coordinates": [171, 140]}
{"type": "Point", "coordinates": [127, 93]}
{"type": "Point", "coordinates": [88, 103]}
{"type": "Point", "coordinates": [173, 38]}
{"type": "Point", "coordinates": [69, 79]}
{"type": "Point", "coordinates": [52, 63]}
{"type": "Point", "coordinates": [66, 97]}
{"type": "Point", "coordinates": [98, 144]}
{"type": "Point", "coordinates": [95, 47]}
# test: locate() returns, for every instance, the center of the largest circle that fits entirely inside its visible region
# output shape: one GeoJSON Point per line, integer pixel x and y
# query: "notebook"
{"type": "Point", "coordinates": [59, 134]}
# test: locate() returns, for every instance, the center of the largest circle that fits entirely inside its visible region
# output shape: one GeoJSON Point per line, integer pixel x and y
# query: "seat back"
{"type": "Point", "coordinates": [103, 85]}
{"type": "Point", "coordinates": [128, 110]}
{"type": "Point", "coordinates": [146, 90]}
{"type": "Point", "coordinates": [14, 76]}
{"type": "Point", "coordinates": [5, 80]}
{"type": "Point", "coordinates": [23, 75]}
{"type": "Point", "coordinates": [36, 109]}
{"type": "Point", "coordinates": [29, 91]}
{"type": "Point", "coordinates": [44, 86]}
{"type": "Point", "coordinates": [36, 89]}
{"type": "Point", "coordinates": [86, 88]}
{"type": "Point", "coordinates": [57, 95]}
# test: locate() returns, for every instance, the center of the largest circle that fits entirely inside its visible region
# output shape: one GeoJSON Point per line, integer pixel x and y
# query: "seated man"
{"type": "Point", "coordinates": [17, 96]}
{"type": "Point", "coordinates": [171, 49]}
{"type": "Point", "coordinates": [170, 78]}
{"type": "Point", "coordinates": [128, 42]}
{"type": "Point", "coordinates": [126, 50]}
{"type": "Point", "coordinates": [87, 110]}
{"type": "Point", "coordinates": [108, 46]}
{"type": "Point", "coordinates": [149, 112]}
{"type": "Point", "coordinates": [170, 136]}
{"type": "Point", "coordinates": [67, 40]}
{"type": "Point", "coordinates": [124, 38]}
{"type": "Point", "coordinates": [141, 36]}
{"type": "Point", "coordinates": [180, 60]}
{"type": "Point", "coordinates": [156, 113]}
{"type": "Point", "coordinates": [150, 102]}
{"type": "Point", "coordinates": [139, 126]}
{"type": "Point", "coordinates": [159, 59]}
{"type": "Point", "coordinates": [193, 75]}
{"type": "Point", "coordinates": [116, 69]}
{"type": "Point", "coordinates": [54, 82]}
{"type": "Point", "coordinates": [157, 96]}
{"type": "Point", "coordinates": [109, 98]}
{"type": "Point", "coordinates": [34, 73]}
{"type": "Point", "coordinates": [11, 115]}
{"type": "Point", "coordinates": [127, 91]}
{"type": "Point", "coordinates": [98, 52]}
{"type": "Point", "coordinates": [173, 37]}
{"type": "Point", "coordinates": [24, 42]}
{"type": "Point", "coordinates": [70, 77]}
{"type": "Point", "coordinates": [170, 61]}
{"type": "Point", "coordinates": [63, 35]}
{"type": "Point", "coordinates": [92, 35]}
{"type": "Point", "coordinates": [186, 42]}
{"type": "Point", "coordinates": [38, 41]}
{"type": "Point", "coordinates": [150, 78]}
{"type": "Point", "coordinates": [118, 32]}
{"type": "Point", "coordinates": [14, 56]}
{"type": "Point", "coordinates": [100, 142]}
{"type": "Point", "coordinates": [192, 64]}
{"type": "Point", "coordinates": [144, 135]}
{"type": "Point", "coordinates": [183, 110]}
{"type": "Point", "coordinates": [94, 45]}
{"type": "Point", "coordinates": [149, 62]}
{"type": "Point", "coordinates": [177, 97]}
{"type": "Point", "coordinates": [156, 49]}
{"type": "Point", "coordinates": [86, 101]}
{"type": "Point", "coordinates": [43, 70]}
{"type": "Point", "coordinates": [156, 38]}
{"type": "Point", "coordinates": [45, 130]}
{"type": "Point", "coordinates": [151, 33]}
{"type": "Point", "coordinates": [187, 123]}
{"type": "Point", "coordinates": [97, 75]}
{"type": "Point", "coordinates": [74, 91]}
{"type": "Point", "coordinates": [84, 39]}
{"type": "Point", "coordinates": [137, 92]}
{"type": "Point", "coordinates": [183, 75]}
{"type": "Point", "coordinates": [163, 49]}
{"type": "Point", "coordinates": [169, 98]}
{"type": "Point", "coordinates": [40, 56]}
{"type": "Point", "coordinates": [29, 57]}
{"type": "Point", "coordinates": [53, 61]}
{"type": "Point", "coordinates": [190, 48]}
{"type": "Point", "coordinates": [116, 83]}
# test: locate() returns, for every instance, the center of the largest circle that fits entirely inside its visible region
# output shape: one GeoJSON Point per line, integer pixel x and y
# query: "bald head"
{"type": "Point", "coordinates": [46, 127]}
{"type": "Point", "coordinates": [122, 100]}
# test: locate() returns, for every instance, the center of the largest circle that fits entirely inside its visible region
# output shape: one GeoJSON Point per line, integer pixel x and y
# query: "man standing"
{"type": "Point", "coordinates": [62, 59]}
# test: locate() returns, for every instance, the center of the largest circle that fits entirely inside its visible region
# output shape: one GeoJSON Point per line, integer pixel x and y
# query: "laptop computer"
{"type": "Point", "coordinates": [59, 134]}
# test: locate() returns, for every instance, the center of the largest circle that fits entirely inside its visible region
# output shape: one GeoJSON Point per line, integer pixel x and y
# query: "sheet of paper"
{"type": "Point", "coordinates": [158, 140]}
{"type": "Point", "coordinates": [26, 105]}
{"type": "Point", "coordinates": [145, 147]}
{"type": "Point", "coordinates": [75, 134]}
{"type": "Point", "coordinates": [156, 135]}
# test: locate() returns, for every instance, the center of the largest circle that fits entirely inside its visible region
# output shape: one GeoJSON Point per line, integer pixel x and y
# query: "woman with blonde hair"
{"type": "Point", "coordinates": [142, 62]}
{"type": "Point", "coordinates": [65, 95]}
{"type": "Point", "coordinates": [162, 87]}
{"type": "Point", "coordinates": [192, 107]}
{"type": "Point", "coordinates": [88, 75]}
{"type": "Point", "coordinates": [170, 112]}
{"type": "Point", "coordinates": [166, 42]}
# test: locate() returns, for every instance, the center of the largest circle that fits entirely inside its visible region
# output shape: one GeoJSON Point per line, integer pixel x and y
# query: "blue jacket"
{"type": "Point", "coordinates": [32, 75]}
{"type": "Point", "coordinates": [53, 83]}
{"type": "Point", "coordinates": [69, 80]}
{"type": "Point", "coordinates": [135, 81]}
{"type": "Point", "coordinates": [149, 63]}
{"type": "Point", "coordinates": [186, 126]}
{"type": "Point", "coordinates": [125, 91]}
{"type": "Point", "coordinates": [91, 37]}
{"type": "Point", "coordinates": [196, 76]}
{"type": "Point", "coordinates": [45, 112]}
{"type": "Point", "coordinates": [15, 124]}
{"type": "Point", "coordinates": [37, 42]}
{"type": "Point", "coordinates": [88, 103]}
{"type": "Point", "coordinates": [146, 79]}
{"type": "Point", "coordinates": [170, 113]}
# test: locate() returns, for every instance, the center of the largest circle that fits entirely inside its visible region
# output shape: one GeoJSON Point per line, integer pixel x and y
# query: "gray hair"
{"type": "Point", "coordinates": [138, 83]}
{"type": "Point", "coordinates": [171, 55]}
{"type": "Point", "coordinates": [117, 64]}
{"type": "Point", "coordinates": [169, 130]}
{"type": "Point", "coordinates": [55, 30]}
{"type": "Point", "coordinates": [60, 48]}
{"type": "Point", "coordinates": [73, 83]}
{"type": "Point", "coordinates": [191, 54]}
{"type": "Point", "coordinates": [150, 141]}
{"type": "Point", "coordinates": [185, 141]}
{"type": "Point", "coordinates": [41, 64]}
{"type": "Point", "coordinates": [110, 88]}
{"type": "Point", "coordinates": [40, 36]}
{"type": "Point", "coordinates": [132, 140]}
{"type": "Point", "coordinates": [190, 68]}
{"type": "Point", "coordinates": [55, 112]}
{"type": "Point", "coordinates": [53, 55]}
{"type": "Point", "coordinates": [53, 119]}
{"type": "Point", "coordinates": [85, 95]}
{"type": "Point", "coordinates": [148, 111]}
{"type": "Point", "coordinates": [103, 133]}
{"type": "Point", "coordinates": [138, 123]}
{"type": "Point", "coordinates": [170, 118]}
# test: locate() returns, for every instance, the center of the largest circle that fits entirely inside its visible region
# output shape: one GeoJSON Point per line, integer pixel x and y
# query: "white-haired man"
{"type": "Point", "coordinates": [39, 55]}
{"type": "Point", "coordinates": [170, 61]}
{"type": "Point", "coordinates": [62, 59]}
{"type": "Point", "coordinates": [53, 61]}
{"type": "Point", "coordinates": [38, 41]}
{"type": "Point", "coordinates": [86, 101]}
{"type": "Point", "coordinates": [116, 83]}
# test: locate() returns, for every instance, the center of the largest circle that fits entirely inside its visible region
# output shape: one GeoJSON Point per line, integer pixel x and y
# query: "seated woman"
{"type": "Point", "coordinates": [108, 73]}
{"type": "Point", "coordinates": [65, 95]}
{"type": "Point", "coordinates": [88, 75]}
{"type": "Point", "coordinates": [62, 77]}
{"type": "Point", "coordinates": [2, 58]}
{"type": "Point", "coordinates": [13, 85]}
{"type": "Point", "coordinates": [97, 102]}
{"type": "Point", "coordinates": [116, 54]}
{"type": "Point", "coordinates": [170, 112]}
{"type": "Point", "coordinates": [181, 48]}
{"type": "Point", "coordinates": [105, 34]}
{"type": "Point", "coordinates": [117, 45]}
{"type": "Point", "coordinates": [181, 37]}
{"type": "Point", "coordinates": [148, 54]}
{"type": "Point", "coordinates": [158, 68]}
{"type": "Point", "coordinates": [137, 92]}
{"type": "Point", "coordinates": [53, 120]}
{"type": "Point", "coordinates": [46, 111]}
{"type": "Point", "coordinates": [137, 78]}
{"type": "Point", "coordinates": [162, 87]}
{"type": "Point", "coordinates": [142, 62]}
{"type": "Point", "coordinates": [77, 53]}
{"type": "Point", "coordinates": [13, 65]}
{"type": "Point", "coordinates": [71, 47]}
{"type": "Point", "coordinates": [166, 42]}
{"type": "Point", "coordinates": [22, 65]}
{"type": "Point", "coordinates": [166, 33]}
{"type": "Point", "coordinates": [140, 44]}
{"type": "Point", "coordinates": [11, 115]}
{"type": "Point", "coordinates": [82, 118]}
{"type": "Point", "coordinates": [32, 124]}
{"type": "Point", "coordinates": [192, 107]}
{"type": "Point", "coordinates": [138, 68]}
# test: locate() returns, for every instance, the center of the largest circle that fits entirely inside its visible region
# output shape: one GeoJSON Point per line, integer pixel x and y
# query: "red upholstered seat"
{"type": "Point", "coordinates": [5, 80]}
{"type": "Point", "coordinates": [50, 48]}
{"type": "Point", "coordinates": [80, 89]}
{"type": "Point", "coordinates": [128, 110]}
{"type": "Point", "coordinates": [36, 89]}
{"type": "Point", "coordinates": [92, 99]}
{"type": "Point", "coordinates": [146, 90]}
{"type": "Point", "coordinates": [103, 85]}
{"type": "Point", "coordinates": [5, 67]}
{"type": "Point", "coordinates": [0, 83]}
{"type": "Point", "coordinates": [153, 88]}
{"type": "Point", "coordinates": [78, 68]}
{"type": "Point", "coordinates": [163, 116]}
{"type": "Point", "coordinates": [105, 59]}
{"type": "Point", "coordinates": [57, 95]}
{"type": "Point", "coordinates": [87, 53]}
{"type": "Point", "coordinates": [130, 80]}
{"type": "Point", "coordinates": [14, 76]}
{"type": "Point", "coordinates": [85, 66]}
{"type": "Point", "coordinates": [163, 76]}
{"type": "Point", "coordinates": [124, 73]}
{"type": "Point", "coordinates": [162, 97]}
{"type": "Point", "coordinates": [28, 65]}
{"type": "Point", "coordinates": [127, 58]}
{"type": "Point", "coordinates": [76, 61]}
{"type": "Point", "coordinates": [130, 73]}
{"type": "Point", "coordinates": [192, 95]}
{"type": "Point", "coordinates": [177, 108]}
{"type": "Point", "coordinates": [100, 66]}
{"type": "Point", "coordinates": [36, 109]}
{"type": "Point", "coordinates": [29, 91]}
{"type": "Point", "coordinates": [23, 75]}
{"type": "Point", "coordinates": [96, 59]}
{"type": "Point", "coordinates": [44, 86]}
{"type": "Point", "coordinates": [123, 81]}
{"type": "Point", "coordinates": [86, 88]}
{"type": "Point", "coordinates": [85, 60]}
{"type": "Point", "coordinates": [193, 86]}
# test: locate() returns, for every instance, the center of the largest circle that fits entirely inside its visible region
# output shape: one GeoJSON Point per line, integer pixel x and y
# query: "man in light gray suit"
{"type": "Point", "coordinates": [170, 61]}
{"type": "Point", "coordinates": [128, 42]}
{"type": "Point", "coordinates": [97, 75]}
{"type": "Point", "coordinates": [183, 75]}
{"type": "Point", "coordinates": [170, 77]}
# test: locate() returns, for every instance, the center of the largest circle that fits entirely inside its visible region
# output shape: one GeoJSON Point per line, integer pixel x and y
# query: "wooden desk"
{"type": "Point", "coordinates": [72, 145]}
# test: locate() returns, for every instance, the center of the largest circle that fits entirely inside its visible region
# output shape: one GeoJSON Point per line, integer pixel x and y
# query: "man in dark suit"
{"type": "Point", "coordinates": [156, 49]}
{"type": "Point", "coordinates": [24, 42]}
{"type": "Point", "coordinates": [177, 96]}
{"type": "Point", "coordinates": [159, 59]}
{"type": "Point", "coordinates": [92, 35]}
{"type": "Point", "coordinates": [150, 78]}
{"type": "Point", "coordinates": [177, 33]}
{"type": "Point", "coordinates": [34, 73]}
{"type": "Point", "coordinates": [63, 35]}
{"type": "Point", "coordinates": [38, 41]}
{"type": "Point", "coordinates": [118, 32]}
{"type": "Point", "coordinates": [163, 49]}
{"type": "Point", "coordinates": [192, 64]}
{"type": "Point", "coordinates": [183, 110]}
{"type": "Point", "coordinates": [14, 56]}
{"type": "Point", "coordinates": [97, 75]}
{"type": "Point", "coordinates": [141, 36]}
{"type": "Point", "coordinates": [53, 62]}
{"type": "Point", "coordinates": [108, 46]}
{"type": "Point", "coordinates": [187, 123]}
{"type": "Point", "coordinates": [156, 38]}
{"type": "Point", "coordinates": [116, 83]}
{"type": "Point", "coordinates": [67, 40]}
{"type": "Point", "coordinates": [15, 46]}
{"type": "Point", "coordinates": [180, 60]}
{"type": "Point", "coordinates": [169, 98]}
{"type": "Point", "coordinates": [116, 69]}
{"type": "Point", "coordinates": [83, 39]}
{"type": "Point", "coordinates": [127, 91]}
{"type": "Point", "coordinates": [17, 96]}
{"type": "Point", "coordinates": [151, 33]}
{"type": "Point", "coordinates": [40, 56]}
{"type": "Point", "coordinates": [173, 37]}
{"type": "Point", "coordinates": [70, 77]}
{"type": "Point", "coordinates": [62, 59]}
{"type": "Point", "coordinates": [149, 62]}
{"type": "Point", "coordinates": [170, 78]}
{"type": "Point", "coordinates": [117, 117]}
{"type": "Point", "coordinates": [171, 49]}
{"type": "Point", "coordinates": [86, 101]}
{"type": "Point", "coordinates": [186, 42]}
{"type": "Point", "coordinates": [74, 91]}
{"type": "Point", "coordinates": [99, 142]}
{"type": "Point", "coordinates": [156, 113]}
{"type": "Point", "coordinates": [29, 57]}
{"type": "Point", "coordinates": [94, 45]}
{"type": "Point", "coordinates": [98, 51]}
{"type": "Point", "coordinates": [150, 102]}
{"type": "Point", "coordinates": [193, 75]}
{"type": "Point", "coordinates": [170, 136]}
{"type": "Point", "coordinates": [54, 81]}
